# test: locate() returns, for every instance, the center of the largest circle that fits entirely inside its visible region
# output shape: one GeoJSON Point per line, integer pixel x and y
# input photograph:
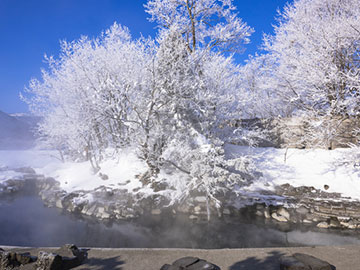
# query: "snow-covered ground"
{"type": "Point", "coordinates": [121, 172]}
{"type": "Point", "coordinates": [301, 167]}
{"type": "Point", "coordinates": [71, 175]}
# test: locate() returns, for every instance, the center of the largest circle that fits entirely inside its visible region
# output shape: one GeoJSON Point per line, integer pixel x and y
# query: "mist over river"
{"type": "Point", "coordinates": [24, 221]}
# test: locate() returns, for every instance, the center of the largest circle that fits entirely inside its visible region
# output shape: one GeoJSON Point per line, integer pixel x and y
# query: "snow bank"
{"type": "Point", "coordinates": [302, 167]}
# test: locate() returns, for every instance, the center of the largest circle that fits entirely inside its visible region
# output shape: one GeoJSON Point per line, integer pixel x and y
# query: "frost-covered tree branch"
{"type": "Point", "coordinates": [210, 24]}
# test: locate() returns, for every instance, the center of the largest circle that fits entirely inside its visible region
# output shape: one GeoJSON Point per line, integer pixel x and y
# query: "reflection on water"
{"type": "Point", "coordinates": [26, 222]}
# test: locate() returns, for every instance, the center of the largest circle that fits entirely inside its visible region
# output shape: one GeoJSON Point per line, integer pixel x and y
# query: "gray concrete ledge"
{"type": "Point", "coordinates": [343, 257]}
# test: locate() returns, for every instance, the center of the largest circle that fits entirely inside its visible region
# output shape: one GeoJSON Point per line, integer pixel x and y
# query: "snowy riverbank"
{"type": "Point", "coordinates": [313, 187]}
{"type": "Point", "coordinates": [322, 169]}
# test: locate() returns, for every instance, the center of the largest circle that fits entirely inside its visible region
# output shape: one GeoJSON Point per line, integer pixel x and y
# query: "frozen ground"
{"type": "Point", "coordinates": [300, 167]}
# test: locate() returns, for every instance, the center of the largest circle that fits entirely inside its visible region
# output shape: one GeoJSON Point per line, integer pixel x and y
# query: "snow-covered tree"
{"type": "Point", "coordinates": [85, 95]}
{"type": "Point", "coordinates": [200, 90]}
{"type": "Point", "coordinates": [211, 24]}
{"type": "Point", "coordinates": [316, 60]}
{"type": "Point", "coordinates": [168, 98]}
{"type": "Point", "coordinates": [193, 96]}
{"type": "Point", "coordinates": [156, 97]}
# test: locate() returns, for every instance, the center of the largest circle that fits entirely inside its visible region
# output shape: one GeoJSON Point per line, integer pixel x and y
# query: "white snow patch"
{"type": "Point", "coordinates": [121, 172]}
{"type": "Point", "coordinates": [302, 167]}
{"type": "Point", "coordinates": [88, 198]}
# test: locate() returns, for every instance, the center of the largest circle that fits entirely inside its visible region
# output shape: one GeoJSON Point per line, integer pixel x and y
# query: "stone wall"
{"type": "Point", "coordinates": [291, 205]}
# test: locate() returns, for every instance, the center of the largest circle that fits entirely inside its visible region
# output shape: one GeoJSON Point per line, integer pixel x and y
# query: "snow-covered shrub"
{"type": "Point", "coordinates": [206, 170]}
{"type": "Point", "coordinates": [354, 158]}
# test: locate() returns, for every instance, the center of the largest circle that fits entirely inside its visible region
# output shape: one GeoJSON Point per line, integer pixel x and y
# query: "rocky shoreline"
{"type": "Point", "coordinates": [290, 205]}
{"type": "Point", "coordinates": [66, 257]}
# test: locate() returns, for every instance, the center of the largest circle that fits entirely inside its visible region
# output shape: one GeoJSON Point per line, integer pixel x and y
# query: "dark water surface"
{"type": "Point", "coordinates": [24, 221]}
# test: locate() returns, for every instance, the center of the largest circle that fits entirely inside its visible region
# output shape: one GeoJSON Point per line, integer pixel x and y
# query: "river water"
{"type": "Point", "coordinates": [24, 221]}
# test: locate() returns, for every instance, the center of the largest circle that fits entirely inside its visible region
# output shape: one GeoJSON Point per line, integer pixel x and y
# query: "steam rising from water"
{"type": "Point", "coordinates": [26, 222]}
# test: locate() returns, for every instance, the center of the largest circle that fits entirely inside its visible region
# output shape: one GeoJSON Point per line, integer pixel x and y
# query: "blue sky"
{"type": "Point", "coordinates": [31, 28]}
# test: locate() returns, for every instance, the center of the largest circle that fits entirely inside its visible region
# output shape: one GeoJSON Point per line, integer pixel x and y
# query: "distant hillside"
{"type": "Point", "coordinates": [27, 118]}
{"type": "Point", "coordinates": [16, 131]}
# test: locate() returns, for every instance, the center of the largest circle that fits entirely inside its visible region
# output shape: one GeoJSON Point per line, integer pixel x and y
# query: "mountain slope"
{"type": "Point", "coordinates": [16, 133]}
